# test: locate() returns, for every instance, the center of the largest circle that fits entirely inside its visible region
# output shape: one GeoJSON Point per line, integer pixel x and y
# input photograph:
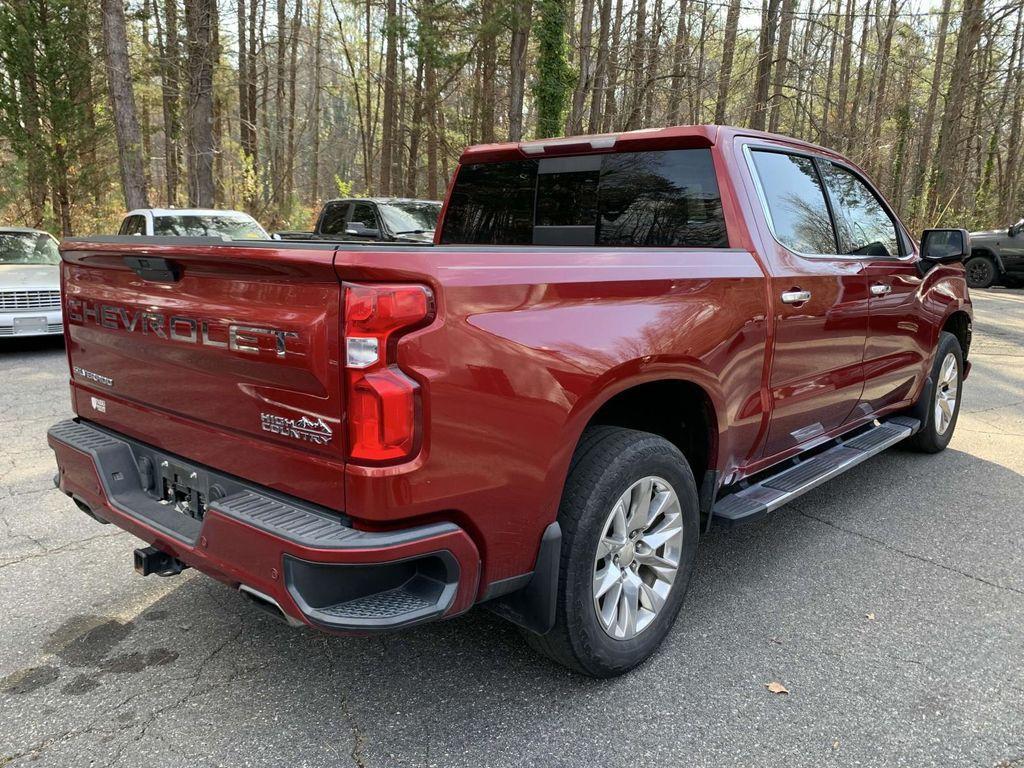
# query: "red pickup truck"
{"type": "Point", "coordinates": [614, 342]}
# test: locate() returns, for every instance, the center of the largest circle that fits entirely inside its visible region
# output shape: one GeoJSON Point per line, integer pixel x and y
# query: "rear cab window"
{"type": "Point", "coordinates": [667, 198]}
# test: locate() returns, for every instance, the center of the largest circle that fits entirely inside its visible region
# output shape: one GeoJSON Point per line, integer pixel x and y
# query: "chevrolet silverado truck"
{"type": "Point", "coordinates": [615, 342]}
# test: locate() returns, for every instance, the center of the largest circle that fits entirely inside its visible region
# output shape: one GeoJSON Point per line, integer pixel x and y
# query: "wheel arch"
{"type": "Point", "coordinates": [959, 324]}
{"type": "Point", "coordinates": [986, 252]}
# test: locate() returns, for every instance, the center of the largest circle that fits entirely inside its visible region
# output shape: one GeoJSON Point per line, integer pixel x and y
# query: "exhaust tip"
{"type": "Point", "coordinates": [267, 604]}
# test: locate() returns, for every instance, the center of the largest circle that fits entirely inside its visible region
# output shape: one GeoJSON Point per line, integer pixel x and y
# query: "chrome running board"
{"type": "Point", "coordinates": [768, 494]}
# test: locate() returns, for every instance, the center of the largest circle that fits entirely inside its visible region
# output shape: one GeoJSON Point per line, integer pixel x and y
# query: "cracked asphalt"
{"type": "Point", "coordinates": [890, 603]}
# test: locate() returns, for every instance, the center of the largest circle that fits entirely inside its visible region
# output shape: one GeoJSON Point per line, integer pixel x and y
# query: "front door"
{"type": "Point", "coordinates": [897, 347]}
{"type": "Point", "coordinates": [820, 304]}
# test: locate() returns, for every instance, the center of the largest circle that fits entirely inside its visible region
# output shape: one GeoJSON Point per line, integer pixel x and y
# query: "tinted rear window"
{"type": "Point", "coordinates": [492, 203]}
{"type": "Point", "coordinates": [666, 198]}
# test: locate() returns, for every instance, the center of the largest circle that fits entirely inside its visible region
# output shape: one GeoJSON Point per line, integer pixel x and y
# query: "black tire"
{"type": "Point", "coordinates": [981, 272]}
{"type": "Point", "coordinates": [607, 462]}
{"type": "Point", "coordinates": [930, 439]}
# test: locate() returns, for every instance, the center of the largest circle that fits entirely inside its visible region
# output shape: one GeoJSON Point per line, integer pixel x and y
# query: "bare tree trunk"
{"type": "Point", "coordinates": [697, 91]}
{"type": "Point", "coordinates": [170, 79]}
{"type": "Point", "coordinates": [388, 129]}
{"type": "Point", "coordinates": [950, 130]}
{"type": "Point", "coordinates": [521, 11]}
{"type": "Point", "coordinates": [488, 72]}
{"type": "Point", "coordinates": [679, 57]}
{"type": "Point", "coordinates": [317, 86]}
{"type": "Point", "coordinates": [732, 21]}
{"type": "Point", "coordinates": [35, 160]}
{"type": "Point", "coordinates": [218, 113]}
{"type": "Point", "coordinates": [636, 67]}
{"type": "Point", "coordinates": [277, 146]}
{"type": "Point", "coordinates": [769, 25]}
{"type": "Point", "coordinates": [610, 102]}
{"type": "Point", "coordinates": [198, 26]}
{"type": "Point", "coordinates": [844, 71]}
{"type": "Point", "coordinates": [431, 104]}
{"type": "Point", "coordinates": [824, 135]}
{"type": "Point", "coordinates": [584, 81]}
{"type": "Point", "coordinates": [122, 100]}
{"type": "Point", "coordinates": [415, 132]}
{"type": "Point", "coordinates": [653, 62]}
{"type": "Point", "coordinates": [600, 67]}
{"type": "Point", "coordinates": [802, 101]}
{"type": "Point", "coordinates": [1009, 186]}
{"type": "Point", "coordinates": [289, 185]}
{"type": "Point", "coordinates": [883, 82]}
{"type": "Point", "coordinates": [781, 63]}
{"type": "Point", "coordinates": [858, 88]}
{"type": "Point", "coordinates": [247, 118]}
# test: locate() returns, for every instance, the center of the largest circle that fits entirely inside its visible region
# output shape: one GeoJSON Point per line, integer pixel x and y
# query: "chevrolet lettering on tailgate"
{"type": "Point", "coordinates": [210, 333]}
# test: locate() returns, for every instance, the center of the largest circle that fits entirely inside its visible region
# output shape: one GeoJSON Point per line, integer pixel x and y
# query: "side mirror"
{"type": "Point", "coordinates": [1015, 229]}
{"type": "Point", "coordinates": [358, 230]}
{"type": "Point", "coordinates": [945, 246]}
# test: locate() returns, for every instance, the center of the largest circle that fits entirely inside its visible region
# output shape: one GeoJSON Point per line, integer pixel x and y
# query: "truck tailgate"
{"type": "Point", "coordinates": [227, 354]}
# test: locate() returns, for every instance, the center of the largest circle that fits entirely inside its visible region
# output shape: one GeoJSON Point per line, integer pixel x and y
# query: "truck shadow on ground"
{"type": "Point", "coordinates": [201, 648]}
{"type": "Point", "coordinates": [44, 345]}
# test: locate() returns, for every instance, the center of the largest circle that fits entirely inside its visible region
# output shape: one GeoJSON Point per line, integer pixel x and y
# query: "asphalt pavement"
{"type": "Point", "coordinates": [889, 603]}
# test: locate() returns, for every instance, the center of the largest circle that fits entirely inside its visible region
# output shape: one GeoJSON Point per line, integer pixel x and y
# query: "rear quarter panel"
{"type": "Point", "coordinates": [526, 346]}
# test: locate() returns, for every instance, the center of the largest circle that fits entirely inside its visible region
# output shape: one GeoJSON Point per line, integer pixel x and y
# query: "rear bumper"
{"type": "Point", "coordinates": [310, 562]}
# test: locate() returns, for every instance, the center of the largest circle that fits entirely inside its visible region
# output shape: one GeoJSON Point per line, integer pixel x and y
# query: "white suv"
{"type": "Point", "coordinates": [192, 222]}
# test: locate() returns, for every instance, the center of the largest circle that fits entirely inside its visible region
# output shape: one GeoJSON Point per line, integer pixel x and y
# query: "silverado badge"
{"type": "Point", "coordinates": [310, 430]}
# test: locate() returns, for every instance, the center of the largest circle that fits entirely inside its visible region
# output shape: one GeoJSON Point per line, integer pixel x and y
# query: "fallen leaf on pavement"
{"type": "Point", "coordinates": [776, 687]}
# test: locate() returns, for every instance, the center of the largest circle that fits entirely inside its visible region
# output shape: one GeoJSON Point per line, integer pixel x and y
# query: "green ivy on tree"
{"type": "Point", "coordinates": [554, 80]}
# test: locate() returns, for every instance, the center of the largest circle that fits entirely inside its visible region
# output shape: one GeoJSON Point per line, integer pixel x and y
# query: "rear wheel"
{"type": "Point", "coordinates": [981, 272]}
{"type": "Point", "coordinates": [942, 412]}
{"type": "Point", "coordinates": [630, 521]}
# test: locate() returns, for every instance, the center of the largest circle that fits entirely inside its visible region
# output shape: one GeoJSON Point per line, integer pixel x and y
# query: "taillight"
{"type": "Point", "coordinates": [383, 402]}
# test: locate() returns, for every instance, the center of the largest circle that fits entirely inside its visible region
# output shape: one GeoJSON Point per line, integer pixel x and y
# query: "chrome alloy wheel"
{"type": "Point", "coordinates": [946, 390]}
{"type": "Point", "coordinates": [637, 557]}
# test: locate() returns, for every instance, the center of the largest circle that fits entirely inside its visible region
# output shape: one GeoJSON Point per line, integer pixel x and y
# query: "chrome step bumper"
{"type": "Point", "coordinates": [758, 499]}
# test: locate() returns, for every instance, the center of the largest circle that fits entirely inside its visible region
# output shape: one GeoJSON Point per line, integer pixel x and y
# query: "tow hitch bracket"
{"type": "Point", "coordinates": [152, 560]}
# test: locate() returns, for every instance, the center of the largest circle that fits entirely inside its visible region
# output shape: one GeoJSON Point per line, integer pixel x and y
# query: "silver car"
{"type": "Point", "coordinates": [29, 283]}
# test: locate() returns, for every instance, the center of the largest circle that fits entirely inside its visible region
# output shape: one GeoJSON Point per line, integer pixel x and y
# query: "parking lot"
{"type": "Point", "coordinates": [890, 604]}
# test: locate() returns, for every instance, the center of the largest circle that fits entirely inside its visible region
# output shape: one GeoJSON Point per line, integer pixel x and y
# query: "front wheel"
{"type": "Point", "coordinates": [981, 272]}
{"type": "Point", "coordinates": [630, 521]}
{"type": "Point", "coordinates": [941, 413]}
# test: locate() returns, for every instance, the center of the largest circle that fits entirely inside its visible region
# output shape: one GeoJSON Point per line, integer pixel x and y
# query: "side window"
{"type": "Point", "coordinates": [796, 202]}
{"type": "Point", "coordinates": [334, 218]}
{"type": "Point", "coordinates": [863, 226]}
{"type": "Point", "coordinates": [363, 215]}
{"type": "Point", "coordinates": [492, 204]}
{"type": "Point", "coordinates": [133, 225]}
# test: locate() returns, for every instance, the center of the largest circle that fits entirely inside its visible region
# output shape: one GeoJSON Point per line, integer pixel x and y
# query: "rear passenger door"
{"type": "Point", "coordinates": [819, 299]}
{"type": "Point", "coordinates": [899, 336]}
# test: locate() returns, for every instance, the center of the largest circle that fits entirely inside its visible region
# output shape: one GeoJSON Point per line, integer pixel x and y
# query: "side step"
{"type": "Point", "coordinates": [758, 499]}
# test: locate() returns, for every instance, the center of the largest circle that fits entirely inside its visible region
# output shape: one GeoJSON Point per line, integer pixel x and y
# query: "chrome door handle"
{"type": "Point", "coordinates": [795, 297]}
{"type": "Point", "coordinates": [881, 289]}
